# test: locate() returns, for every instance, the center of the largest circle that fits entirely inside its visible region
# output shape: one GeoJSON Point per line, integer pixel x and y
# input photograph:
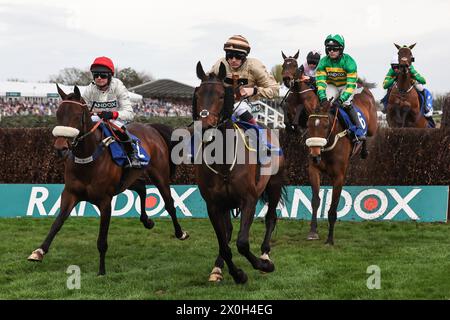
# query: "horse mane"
{"type": "Point", "coordinates": [365, 84]}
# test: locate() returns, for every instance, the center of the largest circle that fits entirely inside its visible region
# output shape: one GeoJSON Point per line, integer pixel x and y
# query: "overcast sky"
{"type": "Point", "coordinates": [167, 38]}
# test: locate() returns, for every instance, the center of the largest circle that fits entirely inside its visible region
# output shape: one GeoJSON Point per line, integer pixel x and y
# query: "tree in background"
{"type": "Point", "coordinates": [276, 72]}
{"type": "Point", "coordinates": [439, 101]}
{"type": "Point", "coordinates": [132, 78]}
{"type": "Point", "coordinates": [72, 76]}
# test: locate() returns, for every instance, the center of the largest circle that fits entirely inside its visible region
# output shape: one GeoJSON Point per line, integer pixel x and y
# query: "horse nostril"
{"type": "Point", "coordinates": [62, 153]}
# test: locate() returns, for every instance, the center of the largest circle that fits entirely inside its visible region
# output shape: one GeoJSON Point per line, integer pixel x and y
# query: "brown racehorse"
{"type": "Point", "coordinates": [228, 186]}
{"type": "Point", "coordinates": [330, 153]}
{"type": "Point", "coordinates": [403, 109]}
{"type": "Point", "coordinates": [99, 180]}
{"type": "Point", "coordinates": [300, 100]}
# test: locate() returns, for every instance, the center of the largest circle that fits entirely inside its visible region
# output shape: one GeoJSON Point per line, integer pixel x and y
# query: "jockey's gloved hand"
{"type": "Point", "coordinates": [337, 103]}
{"type": "Point", "coordinates": [108, 115]}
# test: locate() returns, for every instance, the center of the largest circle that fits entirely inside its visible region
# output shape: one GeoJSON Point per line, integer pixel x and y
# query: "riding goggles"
{"type": "Point", "coordinates": [103, 75]}
{"type": "Point", "coordinates": [234, 54]}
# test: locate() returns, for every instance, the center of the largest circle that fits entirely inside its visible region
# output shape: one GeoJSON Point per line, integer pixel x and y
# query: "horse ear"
{"type": "Point", "coordinates": [397, 46]}
{"type": "Point", "coordinates": [77, 92]}
{"type": "Point", "coordinates": [62, 94]}
{"type": "Point", "coordinates": [222, 71]}
{"type": "Point", "coordinates": [283, 55]}
{"type": "Point", "coordinates": [200, 73]}
{"type": "Point", "coordinates": [412, 46]}
{"type": "Point", "coordinates": [296, 55]}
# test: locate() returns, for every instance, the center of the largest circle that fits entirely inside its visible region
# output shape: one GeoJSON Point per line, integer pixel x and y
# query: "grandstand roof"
{"type": "Point", "coordinates": [41, 89]}
{"type": "Point", "coordinates": [164, 88]}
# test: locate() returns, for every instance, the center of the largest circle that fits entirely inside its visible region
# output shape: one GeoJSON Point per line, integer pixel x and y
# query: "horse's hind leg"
{"type": "Point", "coordinates": [217, 218]}
{"type": "Point", "coordinates": [216, 273]}
{"type": "Point", "coordinates": [68, 202]}
{"type": "Point", "coordinates": [243, 244]}
{"type": "Point", "coordinates": [364, 152]}
{"type": "Point", "coordinates": [139, 187]}
{"type": "Point", "coordinates": [271, 218]}
{"type": "Point", "coordinates": [162, 183]}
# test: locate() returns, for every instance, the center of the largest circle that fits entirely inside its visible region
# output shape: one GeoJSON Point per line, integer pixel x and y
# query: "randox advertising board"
{"type": "Point", "coordinates": [357, 203]}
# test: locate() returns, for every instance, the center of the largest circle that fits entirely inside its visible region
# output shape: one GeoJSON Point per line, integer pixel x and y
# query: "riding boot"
{"type": "Point", "coordinates": [133, 158]}
{"type": "Point", "coordinates": [351, 111]}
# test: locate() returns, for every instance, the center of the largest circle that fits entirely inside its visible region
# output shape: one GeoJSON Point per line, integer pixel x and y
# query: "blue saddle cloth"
{"type": "Point", "coordinates": [354, 130]}
{"type": "Point", "coordinates": [426, 105]}
{"type": "Point", "coordinates": [246, 126]}
{"type": "Point", "coordinates": [118, 153]}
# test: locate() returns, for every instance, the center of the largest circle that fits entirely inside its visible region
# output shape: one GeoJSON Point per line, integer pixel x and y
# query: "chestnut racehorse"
{"type": "Point", "coordinates": [301, 99]}
{"type": "Point", "coordinates": [98, 179]}
{"type": "Point", "coordinates": [403, 109]}
{"type": "Point", "coordinates": [330, 151]}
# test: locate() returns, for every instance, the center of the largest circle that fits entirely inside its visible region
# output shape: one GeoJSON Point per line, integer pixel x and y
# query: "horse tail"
{"type": "Point", "coordinates": [166, 133]}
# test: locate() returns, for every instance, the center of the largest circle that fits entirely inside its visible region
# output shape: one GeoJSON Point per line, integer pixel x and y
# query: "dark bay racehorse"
{"type": "Point", "coordinates": [300, 100]}
{"type": "Point", "coordinates": [330, 152]}
{"type": "Point", "coordinates": [403, 109]}
{"type": "Point", "coordinates": [228, 186]}
{"type": "Point", "coordinates": [99, 180]}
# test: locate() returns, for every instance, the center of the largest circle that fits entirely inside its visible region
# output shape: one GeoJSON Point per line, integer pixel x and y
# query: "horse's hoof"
{"type": "Point", "coordinates": [240, 277]}
{"type": "Point", "coordinates": [313, 236]}
{"type": "Point", "coordinates": [149, 224]}
{"type": "Point", "coordinates": [36, 255]}
{"type": "Point", "coordinates": [184, 236]}
{"type": "Point", "coordinates": [329, 242]}
{"type": "Point", "coordinates": [215, 275]}
{"type": "Point", "coordinates": [101, 273]}
{"type": "Point", "coordinates": [267, 266]}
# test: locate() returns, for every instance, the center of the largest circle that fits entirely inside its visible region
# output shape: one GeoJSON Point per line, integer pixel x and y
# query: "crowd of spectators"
{"type": "Point", "coordinates": [27, 108]}
{"type": "Point", "coordinates": [147, 108]}
{"type": "Point", "coordinates": [158, 108]}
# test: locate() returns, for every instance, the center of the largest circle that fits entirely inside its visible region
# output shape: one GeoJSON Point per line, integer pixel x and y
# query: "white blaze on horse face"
{"type": "Point", "coordinates": [317, 122]}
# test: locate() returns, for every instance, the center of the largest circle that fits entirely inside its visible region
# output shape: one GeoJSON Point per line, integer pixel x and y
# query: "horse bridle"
{"type": "Point", "coordinates": [204, 113]}
{"type": "Point", "coordinates": [79, 138]}
{"type": "Point", "coordinates": [404, 69]}
{"type": "Point", "coordinates": [322, 142]}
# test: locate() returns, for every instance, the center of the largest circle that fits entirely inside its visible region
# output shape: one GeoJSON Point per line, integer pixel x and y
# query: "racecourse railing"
{"type": "Point", "coordinates": [267, 115]}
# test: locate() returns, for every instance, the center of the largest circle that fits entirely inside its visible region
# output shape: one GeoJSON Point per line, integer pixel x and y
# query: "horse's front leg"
{"type": "Point", "coordinates": [314, 179]}
{"type": "Point", "coordinates": [68, 202]}
{"type": "Point", "coordinates": [216, 274]}
{"type": "Point", "coordinates": [102, 241]}
{"type": "Point", "coordinates": [243, 244]}
{"type": "Point", "coordinates": [217, 218]}
{"type": "Point", "coordinates": [338, 182]}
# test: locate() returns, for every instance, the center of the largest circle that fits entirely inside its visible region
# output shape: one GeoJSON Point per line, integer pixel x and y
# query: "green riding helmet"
{"type": "Point", "coordinates": [336, 41]}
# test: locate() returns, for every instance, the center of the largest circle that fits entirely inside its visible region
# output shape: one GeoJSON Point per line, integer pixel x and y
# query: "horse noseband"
{"type": "Point", "coordinates": [204, 113]}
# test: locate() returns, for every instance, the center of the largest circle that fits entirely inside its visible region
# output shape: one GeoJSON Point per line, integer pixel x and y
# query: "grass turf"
{"type": "Point", "coordinates": [152, 264]}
